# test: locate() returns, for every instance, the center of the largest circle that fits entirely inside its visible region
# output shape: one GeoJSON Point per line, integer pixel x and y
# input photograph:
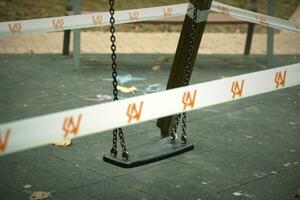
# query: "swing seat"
{"type": "Point", "coordinates": [150, 153]}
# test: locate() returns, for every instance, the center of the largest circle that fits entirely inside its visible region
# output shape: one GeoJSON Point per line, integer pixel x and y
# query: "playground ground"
{"type": "Point", "coordinates": [246, 149]}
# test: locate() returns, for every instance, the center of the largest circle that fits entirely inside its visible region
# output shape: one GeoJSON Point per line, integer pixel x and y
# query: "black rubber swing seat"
{"type": "Point", "coordinates": [150, 153]}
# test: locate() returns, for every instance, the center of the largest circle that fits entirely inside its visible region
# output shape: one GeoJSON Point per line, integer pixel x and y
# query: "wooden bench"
{"type": "Point", "coordinates": [213, 19]}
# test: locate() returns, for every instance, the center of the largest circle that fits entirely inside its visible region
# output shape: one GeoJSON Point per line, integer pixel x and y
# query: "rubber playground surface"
{"type": "Point", "coordinates": [246, 149]}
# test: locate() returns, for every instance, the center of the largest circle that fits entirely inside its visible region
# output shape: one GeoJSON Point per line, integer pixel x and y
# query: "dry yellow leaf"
{"type": "Point", "coordinates": [156, 67]}
{"type": "Point", "coordinates": [39, 195]}
{"type": "Point", "coordinates": [131, 89]}
{"type": "Point", "coordinates": [63, 143]}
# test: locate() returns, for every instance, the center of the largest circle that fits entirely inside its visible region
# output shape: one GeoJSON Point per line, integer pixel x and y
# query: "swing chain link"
{"type": "Point", "coordinates": [186, 81]}
{"type": "Point", "coordinates": [117, 131]}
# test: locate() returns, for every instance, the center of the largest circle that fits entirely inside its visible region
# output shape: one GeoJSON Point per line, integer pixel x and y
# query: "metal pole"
{"type": "Point", "coordinates": [177, 74]}
{"type": "Point", "coordinates": [76, 46]}
{"type": "Point", "coordinates": [67, 33]}
{"type": "Point", "coordinates": [270, 34]}
{"type": "Point", "coordinates": [250, 30]}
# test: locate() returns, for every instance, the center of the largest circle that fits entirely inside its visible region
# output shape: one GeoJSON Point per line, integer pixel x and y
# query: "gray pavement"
{"type": "Point", "coordinates": [247, 149]}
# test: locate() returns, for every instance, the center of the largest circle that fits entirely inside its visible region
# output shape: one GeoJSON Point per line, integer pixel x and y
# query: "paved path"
{"type": "Point", "coordinates": [131, 42]}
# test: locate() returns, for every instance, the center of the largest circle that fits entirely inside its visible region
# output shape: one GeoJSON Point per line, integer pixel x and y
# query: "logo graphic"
{"type": "Point", "coordinates": [224, 10]}
{"type": "Point", "coordinates": [237, 88]}
{"type": "Point", "coordinates": [134, 15]}
{"type": "Point", "coordinates": [97, 20]}
{"type": "Point", "coordinates": [58, 24]}
{"type": "Point", "coordinates": [70, 127]}
{"type": "Point", "coordinates": [4, 142]}
{"type": "Point", "coordinates": [262, 20]}
{"type": "Point", "coordinates": [133, 112]}
{"type": "Point", "coordinates": [188, 99]}
{"type": "Point", "coordinates": [280, 79]}
{"type": "Point", "coordinates": [168, 12]}
{"type": "Point", "coordinates": [15, 28]}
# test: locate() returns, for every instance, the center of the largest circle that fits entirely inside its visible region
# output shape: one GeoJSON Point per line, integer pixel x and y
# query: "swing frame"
{"type": "Point", "coordinates": [169, 147]}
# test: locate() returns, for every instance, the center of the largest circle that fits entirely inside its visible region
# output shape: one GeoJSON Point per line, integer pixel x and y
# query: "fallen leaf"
{"type": "Point", "coordinates": [237, 194]}
{"type": "Point", "coordinates": [39, 195]}
{"type": "Point", "coordinates": [63, 143]}
{"type": "Point", "coordinates": [163, 59]}
{"type": "Point", "coordinates": [156, 67]}
{"type": "Point", "coordinates": [249, 136]}
{"type": "Point", "coordinates": [260, 175]}
{"type": "Point", "coordinates": [131, 89]}
{"type": "Point", "coordinates": [292, 150]}
{"type": "Point", "coordinates": [27, 186]}
{"type": "Point", "coordinates": [287, 164]}
{"type": "Point", "coordinates": [274, 172]}
{"type": "Point", "coordinates": [292, 123]}
{"type": "Point", "coordinates": [154, 88]}
{"type": "Point", "coordinates": [104, 97]}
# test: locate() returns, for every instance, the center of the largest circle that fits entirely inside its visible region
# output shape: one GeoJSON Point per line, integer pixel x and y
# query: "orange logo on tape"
{"type": "Point", "coordinates": [168, 12]}
{"type": "Point", "coordinates": [97, 20]}
{"type": "Point", "coordinates": [237, 88]}
{"type": "Point", "coordinates": [262, 20]}
{"type": "Point", "coordinates": [224, 10]}
{"type": "Point", "coordinates": [69, 126]}
{"type": "Point", "coordinates": [134, 16]}
{"type": "Point", "coordinates": [280, 79]}
{"type": "Point", "coordinates": [188, 99]}
{"type": "Point", "coordinates": [15, 28]}
{"type": "Point", "coordinates": [4, 143]}
{"type": "Point", "coordinates": [133, 112]}
{"type": "Point", "coordinates": [58, 24]}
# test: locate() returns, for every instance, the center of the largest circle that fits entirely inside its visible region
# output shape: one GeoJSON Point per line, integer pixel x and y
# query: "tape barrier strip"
{"type": "Point", "coordinates": [90, 20]}
{"type": "Point", "coordinates": [136, 15]}
{"type": "Point", "coordinates": [202, 15]}
{"type": "Point", "coordinates": [255, 17]}
{"type": "Point", "coordinates": [29, 133]}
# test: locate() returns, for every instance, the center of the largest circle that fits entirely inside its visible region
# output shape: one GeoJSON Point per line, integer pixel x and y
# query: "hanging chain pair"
{"type": "Point", "coordinates": [117, 131]}
{"type": "Point", "coordinates": [186, 81]}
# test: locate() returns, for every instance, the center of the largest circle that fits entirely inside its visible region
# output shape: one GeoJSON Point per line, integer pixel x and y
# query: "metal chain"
{"type": "Point", "coordinates": [117, 131]}
{"type": "Point", "coordinates": [125, 154]}
{"type": "Point", "coordinates": [186, 81]}
{"type": "Point", "coordinates": [173, 134]}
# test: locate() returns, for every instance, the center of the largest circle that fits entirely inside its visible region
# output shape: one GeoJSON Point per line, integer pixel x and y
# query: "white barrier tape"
{"type": "Point", "coordinates": [29, 133]}
{"type": "Point", "coordinates": [90, 20]}
{"type": "Point", "coordinates": [255, 17]}
{"type": "Point", "coordinates": [202, 15]}
{"type": "Point", "coordinates": [137, 15]}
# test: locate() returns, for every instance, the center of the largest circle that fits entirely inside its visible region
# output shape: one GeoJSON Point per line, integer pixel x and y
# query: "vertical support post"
{"type": "Point", "coordinates": [270, 34]}
{"type": "Point", "coordinates": [76, 39]}
{"type": "Point", "coordinates": [67, 33]}
{"type": "Point", "coordinates": [177, 74]}
{"type": "Point", "coordinates": [250, 30]}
